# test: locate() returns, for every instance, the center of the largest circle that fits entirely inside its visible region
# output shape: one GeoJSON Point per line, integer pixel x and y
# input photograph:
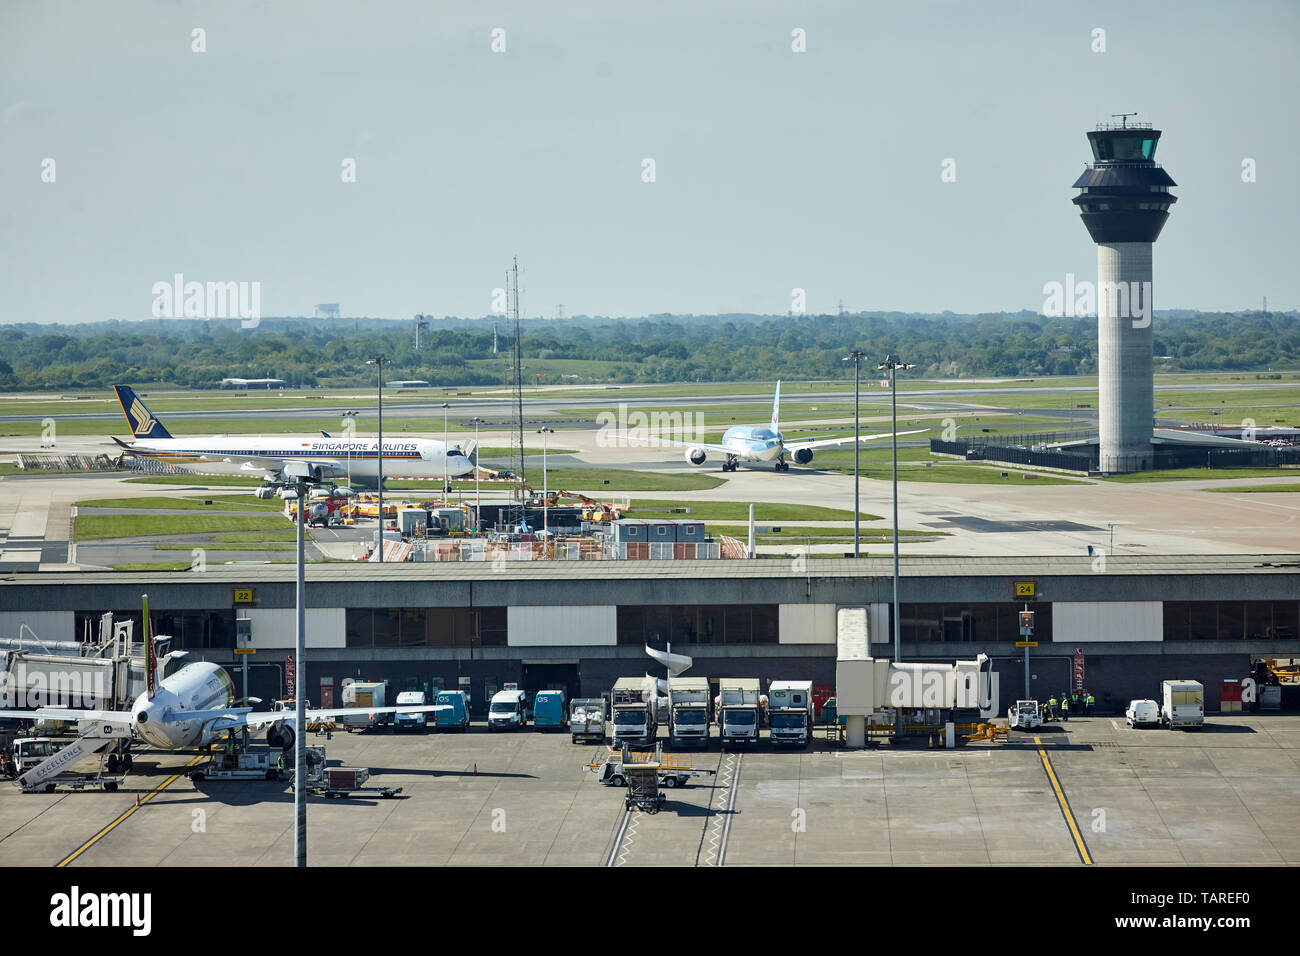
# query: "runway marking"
{"type": "Point", "coordinates": [130, 810]}
{"type": "Point", "coordinates": [1115, 725]}
{"type": "Point", "coordinates": [1063, 802]}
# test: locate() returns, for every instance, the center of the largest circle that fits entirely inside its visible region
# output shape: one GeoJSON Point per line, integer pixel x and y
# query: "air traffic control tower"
{"type": "Point", "coordinates": [1124, 200]}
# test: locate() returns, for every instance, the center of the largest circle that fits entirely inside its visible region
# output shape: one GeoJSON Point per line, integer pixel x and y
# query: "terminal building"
{"type": "Point", "coordinates": [582, 625]}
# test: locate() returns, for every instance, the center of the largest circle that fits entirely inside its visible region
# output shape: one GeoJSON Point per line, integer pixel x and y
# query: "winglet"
{"type": "Point", "coordinates": [141, 420]}
{"type": "Point", "coordinates": [776, 408]}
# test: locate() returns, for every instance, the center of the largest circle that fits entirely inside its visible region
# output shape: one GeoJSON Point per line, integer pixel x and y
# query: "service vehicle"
{"type": "Point", "coordinates": [508, 710]}
{"type": "Point", "coordinates": [1184, 704]}
{"type": "Point", "coordinates": [1142, 713]}
{"type": "Point", "coordinates": [587, 719]}
{"type": "Point", "coordinates": [252, 763]}
{"type": "Point", "coordinates": [458, 717]}
{"type": "Point", "coordinates": [411, 720]}
{"type": "Point", "coordinates": [634, 717]}
{"type": "Point", "coordinates": [549, 711]}
{"type": "Point", "coordinates": [688, 711]}
{"type": "Point", "coordinates": [791, 713]}
{"type": "Point", "coordinates": [674, 770]}
{"type": "Point", "coordinates": [363, 694]}
{"type": "Point", "coordinates": [1024, 715]}
{"type": "Point", "coordinates": [738, 711]}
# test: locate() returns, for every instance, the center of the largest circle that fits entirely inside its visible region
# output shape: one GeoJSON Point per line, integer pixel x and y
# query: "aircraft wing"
{"type": "Point", "coordinates": [830, 442]}
{"type": "Point", "coordinates": [669, 443]}
{"type": "Point", "coordinates": [70, 714]}
{"type": "Point", "coordinates": [230, 719]}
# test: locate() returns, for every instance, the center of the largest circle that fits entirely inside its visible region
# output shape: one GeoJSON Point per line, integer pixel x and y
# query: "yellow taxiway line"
{"type": "Point", "coordinates": [1084, 856]}
{"type": "Point", "coordinates": [130, 810]}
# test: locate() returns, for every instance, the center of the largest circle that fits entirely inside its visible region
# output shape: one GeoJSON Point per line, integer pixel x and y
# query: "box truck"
{"type": "Point", "coordinates": [738, 710]}
{"type": "Point", "coordinates": [688, 711]}
{"type": "Point", "coordinates": [634, 717]}
{"type": "Point", "coordinates": [365, 693]}
{"type": "Point", "coordinates": [1184, 704]}
{"type": "Point", "coordinates": [791, 711]}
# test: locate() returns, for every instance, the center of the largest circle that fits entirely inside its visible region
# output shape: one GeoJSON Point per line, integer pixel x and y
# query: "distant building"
{"type": "Point", "coordinates": [327, 310]}
{"type": "Point", "coordinates": [409, 383]}
{"type": "Point", "coordinates": [253, 383]}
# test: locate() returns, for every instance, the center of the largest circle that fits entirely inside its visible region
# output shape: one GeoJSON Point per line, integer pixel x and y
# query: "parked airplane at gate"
{"type": "Point", "coordinates": [194, 707]}
{"type": "Point", "coordinates": [354, 459]}
{"type": "Point", "coordinates": [756, 443]}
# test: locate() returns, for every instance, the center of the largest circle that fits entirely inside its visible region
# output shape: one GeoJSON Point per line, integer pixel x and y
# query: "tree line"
{"type": "Point", "coordinates": [663, 348]}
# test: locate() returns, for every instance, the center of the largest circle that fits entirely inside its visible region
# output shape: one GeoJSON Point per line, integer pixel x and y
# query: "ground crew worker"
{"type": "Point", "coordinates": [1051, 709]}
{"type": "Point", "coordinates": [1087, 704]}
{"type": "Point", "coordinates": [279, 763]}
{"type": "Point", "coordinates": [1065, 707]}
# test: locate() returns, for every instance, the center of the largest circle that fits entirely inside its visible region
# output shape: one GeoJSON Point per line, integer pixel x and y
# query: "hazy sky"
{"type": "Point", "coordinates": [774, 169]}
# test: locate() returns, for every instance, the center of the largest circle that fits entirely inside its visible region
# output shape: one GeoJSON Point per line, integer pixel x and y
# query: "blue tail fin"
{"type": "Point", "coordinates": [142, 422]}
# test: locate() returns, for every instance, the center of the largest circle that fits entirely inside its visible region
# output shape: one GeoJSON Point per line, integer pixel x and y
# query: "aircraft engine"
{"type": "Point", "coordinates": [696, 455]}
{"type": "Point", "coordinates": [280, 735]}
{"type": "Point", "coordinates": [802, 456]}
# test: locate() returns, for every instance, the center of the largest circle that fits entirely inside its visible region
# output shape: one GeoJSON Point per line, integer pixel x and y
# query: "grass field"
{"type": "Point", "coordinates": [213, 546]}
{"type": "Point", "coordinates": [198, 481]}
{"type": "Point", "coordinates": [594, 480]}
{"type": "Point", "coordinates": [258, 536]}
{"type": "Point", "coordinates": [101, 527]}
{"type": "Point", "coordinates": [221, 503]}
{"type": "Point", "coordinates": [739, 510]}
{"type": "Point", "coordinates": [491, 451]}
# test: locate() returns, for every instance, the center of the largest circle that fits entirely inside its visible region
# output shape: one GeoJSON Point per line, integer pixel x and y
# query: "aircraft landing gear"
{"type": "Point", "coordinates": [782, 465]}
{"type": "Point", "coordinates": [731, 464]}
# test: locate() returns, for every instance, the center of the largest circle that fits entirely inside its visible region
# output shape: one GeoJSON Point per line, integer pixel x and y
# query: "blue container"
{"type": "Point", "coordinates": [549, 710]}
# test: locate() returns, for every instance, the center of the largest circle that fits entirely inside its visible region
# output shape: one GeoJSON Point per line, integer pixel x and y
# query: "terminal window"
{"type": "Point", "coordinates": [189, 630]}
{"type": "Point", "coordinates": [953, 623]}
{"type": "Point", "coordinates": [1231, 620]}
{"type": "Point", "coordinates": [698, 624]}
{"type": "Point", "coordinates": [426, 627]}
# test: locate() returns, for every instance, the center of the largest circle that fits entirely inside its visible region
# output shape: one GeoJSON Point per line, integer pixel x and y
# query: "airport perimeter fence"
{"type": "Point", "coordinates": [68, 463]}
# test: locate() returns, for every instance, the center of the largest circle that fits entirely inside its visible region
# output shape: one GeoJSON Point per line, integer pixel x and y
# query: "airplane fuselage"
{"type": "Point", "coordinates": [195, 687]}
{"type": "Point", "coordinates": [753, 442]}
{"type": "Point", "coordinates": [354, 458]}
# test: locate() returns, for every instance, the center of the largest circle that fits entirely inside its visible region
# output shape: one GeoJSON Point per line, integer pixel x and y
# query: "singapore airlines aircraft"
{"type": "Point", "coordinates": [756, 443]}
{"type": "Point", "coordinates": [192, 708]}
{"type": "Point", "coordinates": [350, 458]}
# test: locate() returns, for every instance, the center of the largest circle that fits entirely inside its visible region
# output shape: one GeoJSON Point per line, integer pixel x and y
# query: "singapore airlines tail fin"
{"type": "Point", "coordinates": [776, 408]}
{"type": "Point", "coordinates": [141, 420]}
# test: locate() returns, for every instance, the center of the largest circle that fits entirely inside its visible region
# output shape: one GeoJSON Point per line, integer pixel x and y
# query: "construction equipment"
{"type": "Point", "coordinates": [672, 770]}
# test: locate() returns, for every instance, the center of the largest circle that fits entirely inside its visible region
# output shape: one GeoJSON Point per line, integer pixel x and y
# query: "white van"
{"type": "Point", "coordinates": [507, 710]}
{"type": "Point", "coordinates": [1142, 713]}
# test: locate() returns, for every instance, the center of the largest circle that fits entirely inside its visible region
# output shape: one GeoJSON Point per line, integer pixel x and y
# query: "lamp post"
{"type": "Point", "coordinates": [546, 525]}
{"type": "Point", "coordinates": [856, 357]}
{"type": "Point", "coordinates": [446, 482]}
{"type": "Point", "coordinates": [478, 517]}
{"type": "Point", "coordinates": [893, 363]}
{"type": "Point", "coordinates": [303, 476]}
{"type": "Point", "coordinates": [378, 361]}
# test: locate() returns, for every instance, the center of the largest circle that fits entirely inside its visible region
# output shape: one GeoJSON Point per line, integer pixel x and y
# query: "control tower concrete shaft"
{"type": "Point", "coordinates": [1124, 200]}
